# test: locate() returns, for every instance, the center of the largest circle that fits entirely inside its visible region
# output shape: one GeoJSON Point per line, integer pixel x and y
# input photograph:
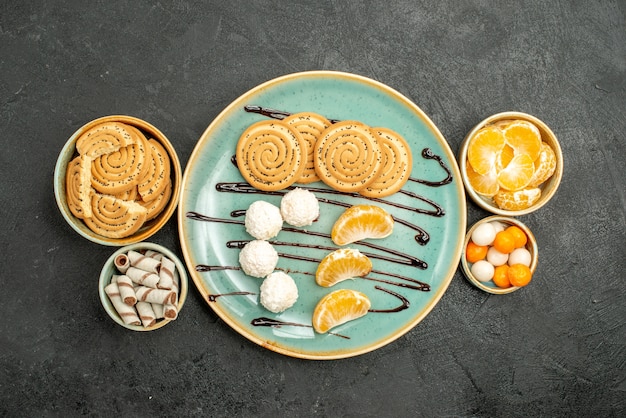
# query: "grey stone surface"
{"type": "Point", "coordinates": [557, 348]}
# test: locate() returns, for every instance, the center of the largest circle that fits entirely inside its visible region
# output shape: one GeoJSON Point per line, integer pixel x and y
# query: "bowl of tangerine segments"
{"type": "Point", "coordinates": [511, 163]}
{"type": "Point", "coordinates": [500, 255]}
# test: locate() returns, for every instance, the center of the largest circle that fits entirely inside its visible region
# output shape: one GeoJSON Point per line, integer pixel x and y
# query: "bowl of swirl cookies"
{"type": "Point", "coordinates": [117, 180]}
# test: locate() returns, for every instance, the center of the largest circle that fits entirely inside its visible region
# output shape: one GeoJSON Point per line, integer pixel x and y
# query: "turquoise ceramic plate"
{"type": "Point", "coordinates": [430, 223]}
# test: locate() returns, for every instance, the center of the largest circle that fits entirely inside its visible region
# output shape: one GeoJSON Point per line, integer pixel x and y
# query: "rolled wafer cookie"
{"type": "Point", "coordinates": [166, 274]}
{"type": "Point", "coordinates": [155, 179]}
{"type": "Point", "coordinates": [310, 125]}
{"type": "Point", "coordinates": [142, 262]}
{"type": "Point", "coordinates": [397, 162]}
{"type": "Point", "coordinates": [170, 310]}
{"type": "Point", "coordinates": [347, 156]}
{"type": "Point", "coordinates": [146, 313]}
{"type": "Point", "coordinates": [142, 277]}
{"type": "Point", "coordinates": [152, 295]}
{"type": "Point", "coordinates": [115, 218]}
{"type": "Point", "coordinates": [118, 171]}
{"type": "Point", "coordinates": [126, 312]}
{"type": "Point", "coordinates": [271, 155]}
{"type": "Point", "coordinates": [104, 138]}
{"type": "Point", "coordinates": [78, 186]}
{"type": "Point", "coordinates": [127, 289]}
{"type": "Point", "coordinates": [122, 263]}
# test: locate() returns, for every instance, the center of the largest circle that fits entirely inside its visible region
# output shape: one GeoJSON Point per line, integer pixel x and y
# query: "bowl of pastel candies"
{"type": "Point", "coordinates": [500, 255]}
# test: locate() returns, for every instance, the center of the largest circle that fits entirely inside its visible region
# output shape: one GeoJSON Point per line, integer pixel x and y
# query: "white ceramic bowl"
{"type": "Point", "coordinates": [548, 188]}
{"type": "Point", "coordinates": [490, 286]}
{"type": "Point", "coordinates": [109, 269]}
{"type": "Point", "coordinates": [149, 228]}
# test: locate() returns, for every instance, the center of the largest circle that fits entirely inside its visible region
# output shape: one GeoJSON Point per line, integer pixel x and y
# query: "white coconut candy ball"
{"type": "Point", "coordinates": [299, 207]}
{"type": "Point", "coordinates": [258, 258]}
{"type": "Point", "coordinates": [278, 292]}
{"type": "Point", "coordinates": [263, 220]}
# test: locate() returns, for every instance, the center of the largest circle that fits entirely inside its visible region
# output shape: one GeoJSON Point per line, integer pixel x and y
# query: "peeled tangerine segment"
{"type": "Point", "coordinates": [484, 148]}
{"type": "Point", "coordinates": [517, 174]}
{"type": "Point", "coordinates": [485, 185]}
{"type": "Point", "coordinates": [524, 137]}
{"type": "Point", "coordinates": [361, 222]}
{"type": "Point", "coordinates": [518, 200]}
{"type": "Point", "coordinates": [342, 264]}
{"type": "Point", "coordinates": [339, 307]}
{"type": "Point", "coordinates": [545, 165]}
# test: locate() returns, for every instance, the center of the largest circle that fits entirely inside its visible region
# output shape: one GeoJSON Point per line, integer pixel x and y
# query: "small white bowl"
{"type": "Point", "coordinates": [109, 269]}
{"type": "Point", "coordinates": [548, 188]}
{"type": "Point", "coordinates": [149, 228]}
{"type": "Point", "coordinates": [490, 286]}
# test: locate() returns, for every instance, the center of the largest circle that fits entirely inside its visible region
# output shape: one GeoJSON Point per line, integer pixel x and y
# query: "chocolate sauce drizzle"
{"type": "Point", "coordinates": [213, 298]}
{"type": "Point", "coordinates": [275, 323]}
{"type": "Point", "coordinates": [273, 113]}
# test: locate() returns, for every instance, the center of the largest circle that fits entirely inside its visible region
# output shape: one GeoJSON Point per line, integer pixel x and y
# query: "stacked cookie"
{"type": "Point", "coordinates": [119, 180]}
{"type": "Point", "coordinates": [348, 156]}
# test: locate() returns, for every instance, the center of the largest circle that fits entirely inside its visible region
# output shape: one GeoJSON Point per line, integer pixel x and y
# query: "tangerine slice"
{"type": "Point", "coordinates": [485, 185]}
{"type": "Point", "coordinates": [340, 265]}
{"type": "Point", "coordinates": [517, 174]}
{"type": "Point", "coordinates": [505, 157]}
{"type": "Point", "coordinates": [518, 200]}
{"type": "Point", "coordinates": [524, 137]}
{"type": "Point", "coordinates": [484, 148]}
{"type": "Point", "coordinates": [339, 307]}
{"type": "Point", "coordinates": [545, 165]}
{"type": "Point", "coordinates": [361, 222]}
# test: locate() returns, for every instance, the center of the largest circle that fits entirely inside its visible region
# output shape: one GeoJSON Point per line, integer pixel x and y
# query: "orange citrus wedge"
{"type": "Point", "coordinates": [517, 174]}
{"type": "Point", "coordinates": [484, 148]}
{"type": "Point", "coordinates": [524, 137]}
{"type": "Point", "coordinates": [340, 265]}
{"type": "Point", "coordinates": [518, 200]}
{"type": "Point", "coordinates": [339, 307]}
{"type": "Point", "coordinates": [504, 158]}
{"type": "Point", "coordinates": [545, 165]}
{"type": "Point", "coordinates": [485, 185]}
{"type": "Point", "coordinates": [361, 222]}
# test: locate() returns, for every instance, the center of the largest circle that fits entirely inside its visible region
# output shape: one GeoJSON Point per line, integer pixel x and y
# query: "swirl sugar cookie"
{"type": "Point", "coordinates": [78, 186]}
{"type": "Point", "coordinates": [310, 126]}
{"type": "Point", "coordinates": [347, 156]}
{"type": "Point", "coordinates": [397, 162]}
{"type": "Point", "coordinates": [105, 138]}
{"type": "Point", "coordinates": [271, 155]}
{"type": "Point", "coordinates": [156, 177]}
{"type": "Point", "coordinates": [115, 218]}
{"type": "Point", "coordinates": [118, 171]}
{"type": "Point", "coordinates": [156, 205]}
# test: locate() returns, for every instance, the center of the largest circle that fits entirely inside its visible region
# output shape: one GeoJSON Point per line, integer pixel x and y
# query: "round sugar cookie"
{"type": "Point", "coordinates": [347, 156]}
{"type": "Point", "coordinates": [271, 155]}
{"type": "Point", "coordinates": [310, 125]}
{"type": "Point", "coordinates": [156, 205]}
{"type": "Point", "coordinates": [78, 186]}
{"type": "Point", "coordinates": [115, 218]}
{"type": "Point", "coordinates": [105, 138]}
{"type": "Point", "coordinates": [397, 162]}
{"type": "Point", "coordinates": [156, 177]}
{"type": "Point", "coordinates": [118, 171]}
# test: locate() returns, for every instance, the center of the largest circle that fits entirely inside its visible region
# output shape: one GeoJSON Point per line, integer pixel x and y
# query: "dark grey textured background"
{"type": "Point", "coordinates": [556, 348]}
